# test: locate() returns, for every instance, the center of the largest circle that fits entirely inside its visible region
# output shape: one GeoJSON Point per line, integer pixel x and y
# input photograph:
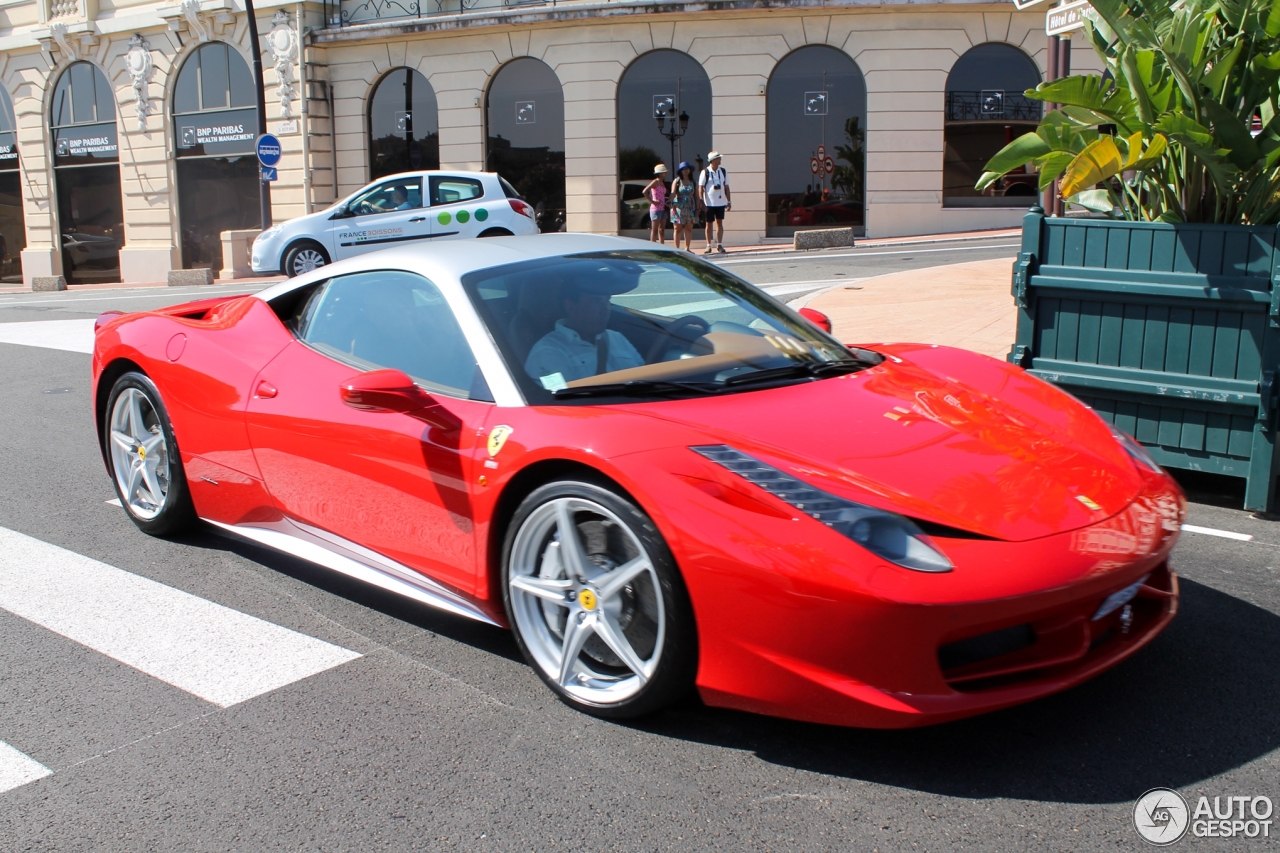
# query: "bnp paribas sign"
{"type": "Point", "coordinates": [1063, 18]}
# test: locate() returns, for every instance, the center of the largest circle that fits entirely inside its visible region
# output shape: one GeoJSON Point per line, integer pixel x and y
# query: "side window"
{"type": "Point", "coordinates": [446, 190]}
{"type": "Point", "coordinates": [398, 320]}
{"type": "Point", "coordinates": [403, 193]}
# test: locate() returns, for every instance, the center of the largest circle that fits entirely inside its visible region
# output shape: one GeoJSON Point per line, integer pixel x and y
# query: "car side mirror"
{"type": "Point", "coordinates": [817, 318]}
{"type": "Point", "coordinates": [342, 213]}
{"type": "Point", "coordinates": [384, 391]}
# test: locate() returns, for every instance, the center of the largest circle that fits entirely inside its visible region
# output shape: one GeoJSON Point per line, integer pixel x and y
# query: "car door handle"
{"type": "Point", "coordinates": [418, 219]}
{"type": "Point", "coordinates": [265, 390]}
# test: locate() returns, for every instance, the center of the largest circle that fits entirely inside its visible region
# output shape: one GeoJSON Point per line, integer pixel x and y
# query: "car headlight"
{"type": "Point", "coordinates": [268, 234]}
{"type": "Point", "coordinates": [1135, 450]}
{"type": "Point", "coordinates": [894, 537]}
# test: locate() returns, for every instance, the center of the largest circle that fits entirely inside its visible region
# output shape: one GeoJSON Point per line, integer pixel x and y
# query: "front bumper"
{"type": "Point", "coordinates": [813, 628]}
{"type": "Point", "coordinates": [264, 256]}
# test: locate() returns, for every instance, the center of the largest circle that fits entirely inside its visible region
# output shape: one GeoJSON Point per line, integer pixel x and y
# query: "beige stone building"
{"type": "Point", "coordinates": [871, 114]}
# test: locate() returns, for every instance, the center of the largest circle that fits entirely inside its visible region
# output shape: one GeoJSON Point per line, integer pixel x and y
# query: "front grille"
{"type": "Point", "coordinates": [986, 646]}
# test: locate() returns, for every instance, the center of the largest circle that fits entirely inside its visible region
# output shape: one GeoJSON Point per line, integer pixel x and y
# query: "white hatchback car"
{"type": "Point", "coordinates": [405, 208]}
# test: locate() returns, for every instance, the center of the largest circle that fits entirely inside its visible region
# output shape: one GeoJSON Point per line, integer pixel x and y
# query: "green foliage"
{"type": "Point", "coordinates": [637, 163]}
{"type": "Point", "coordinates": [1169, 136]}
{"type": "Point", "coordinates": [849, 178]}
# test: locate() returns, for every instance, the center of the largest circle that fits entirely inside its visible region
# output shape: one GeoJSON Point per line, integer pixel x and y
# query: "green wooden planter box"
{"type": "Point", "coordinates": [1169, 332]}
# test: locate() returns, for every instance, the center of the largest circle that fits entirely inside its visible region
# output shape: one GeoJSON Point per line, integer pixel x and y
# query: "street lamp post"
{"type": "Point", "coordinates": [255, 46]}
{"type": "Point", "coordinates": [674, 130]}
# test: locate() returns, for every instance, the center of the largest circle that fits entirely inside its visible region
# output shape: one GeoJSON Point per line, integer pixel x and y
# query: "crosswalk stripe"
{"type": "Point", "coordinates": [17, 769]}
{"type": "Point", "coordinates": [69, 335]}
{"type": "Point", "coordinates": [218, 654]}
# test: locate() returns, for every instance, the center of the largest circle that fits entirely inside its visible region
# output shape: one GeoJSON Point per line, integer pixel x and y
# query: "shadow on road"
{"type": "Point", "coordinates": [1203, 699]}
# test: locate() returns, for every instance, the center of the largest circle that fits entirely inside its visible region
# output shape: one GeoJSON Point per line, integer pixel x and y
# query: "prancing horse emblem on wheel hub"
{"type": "Point", "coordinates": [587, 599]}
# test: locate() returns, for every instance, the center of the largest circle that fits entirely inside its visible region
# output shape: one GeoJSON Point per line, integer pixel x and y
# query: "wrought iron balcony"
{"type": "Point", "coordinates": [992, 105]}
{"type": "Point", "coordinates": [342, 13]}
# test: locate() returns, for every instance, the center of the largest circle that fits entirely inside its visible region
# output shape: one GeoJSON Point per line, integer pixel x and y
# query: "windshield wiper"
{"type": "Point", "coordinates": [807, 369]}
{"type": "Point", "coordinates": [638, 388]}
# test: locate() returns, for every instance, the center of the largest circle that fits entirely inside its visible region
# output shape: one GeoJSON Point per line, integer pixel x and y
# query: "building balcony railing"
{"type": "Point", "coordinates": [992, 105]}
{"type": "Point", "coordinates": [342, 13]}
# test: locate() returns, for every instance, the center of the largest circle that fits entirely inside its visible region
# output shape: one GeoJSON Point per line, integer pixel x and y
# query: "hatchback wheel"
{"type": "Point", "coordinates": [304, 257]}
{"type": "Point", "coordinates": [596, 601]}
{"type": "Point", "coordinates": [145, 465]}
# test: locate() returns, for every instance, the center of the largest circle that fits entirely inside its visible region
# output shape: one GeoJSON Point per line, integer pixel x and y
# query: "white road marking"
{"type": "Point", "coordinates": [216, 653]}
{"type": "Point", "coordinates": [788, 258]}
{"type": "Point", "coordinates": [17, 769]}
{"type": "Point", "coordinates": [784, 287]}
{"type": "Point", "coordinates": [1210, 531]}
{"type": "Point", "coordinates": [69, 301]}
{"type": "Point", "coordinates": [69, 335]}
{"type": "Point", "coordinates": [114, 502]}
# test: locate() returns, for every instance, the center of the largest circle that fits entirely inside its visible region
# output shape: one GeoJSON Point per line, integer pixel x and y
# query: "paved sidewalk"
{"type": "Point", "coordinates": [961, 305]}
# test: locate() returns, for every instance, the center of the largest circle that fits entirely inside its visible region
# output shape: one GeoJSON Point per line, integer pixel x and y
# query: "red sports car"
{"type": "Point", "coordinates": [658, 476]}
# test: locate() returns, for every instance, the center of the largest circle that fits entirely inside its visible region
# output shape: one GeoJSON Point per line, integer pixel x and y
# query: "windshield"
{"type": "Point", "coordinates": [646, 324]}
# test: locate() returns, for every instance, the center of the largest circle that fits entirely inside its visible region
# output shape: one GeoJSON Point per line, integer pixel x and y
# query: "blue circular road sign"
{"type": "Point", "coordinates": [268, 147]}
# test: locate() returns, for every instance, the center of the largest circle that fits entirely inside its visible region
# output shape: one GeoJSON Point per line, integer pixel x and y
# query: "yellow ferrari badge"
{"type": "Point", "coordinates": [142, 452]}
{"type": "Point", "coordinates": [1088, 502]}
{"type": "Point", "coordinates": [587, 599]}
{"type": "Point", "coordinates": [498, 437]}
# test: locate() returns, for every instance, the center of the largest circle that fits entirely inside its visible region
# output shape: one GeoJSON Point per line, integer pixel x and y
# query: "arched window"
{"type": "Point", "coordinates": [82, 119]}
{"type": "Point", "coordinates": [985, 110]}
{"type": "Point", "coordinates": [816, 143]}
{"type": "Point", "coordinates": [404, 126]}
{"type": "Point", "coordinates": [525, 120]}
{"type": "Point", "coordinates": [13, 232]}
{"type": "Point", "coordinates": [215, 123]}
{"type": "Point", "coordinates": [674, 85]}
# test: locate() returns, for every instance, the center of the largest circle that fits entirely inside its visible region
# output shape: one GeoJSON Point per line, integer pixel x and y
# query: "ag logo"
{"type": "Point", "coordinates": [498, 437]}
{"type": "Point", "coordinates": [1161, 816]}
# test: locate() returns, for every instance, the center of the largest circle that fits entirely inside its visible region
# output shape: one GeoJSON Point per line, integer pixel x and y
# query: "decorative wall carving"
{"type": "Point", "coordinates": [191, 11]}
{"type": "Point", "coordinates": [59, 33]}
{"type": "Point", "coordinates": [283, 43]}
{"type": "Point", "coordinates": [140, 66]}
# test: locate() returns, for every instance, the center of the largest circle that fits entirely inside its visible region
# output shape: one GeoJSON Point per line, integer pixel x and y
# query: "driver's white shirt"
{"type": "Point", "coordinates": [563, 351]}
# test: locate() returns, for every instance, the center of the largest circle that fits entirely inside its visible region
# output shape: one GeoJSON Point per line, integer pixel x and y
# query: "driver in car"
{"type": "Point", "coordinates": [399, 199]}
{"type": "Point", "coordinates": [581, 345]}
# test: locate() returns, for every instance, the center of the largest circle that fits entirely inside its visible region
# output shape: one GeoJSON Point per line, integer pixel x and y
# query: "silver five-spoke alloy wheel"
{"type": "Point", "coordinates": [586, 600]}
{"type": "Point", "coordinates": [139, 454]}
{"type": "Point", "coordinates": [306, 260]}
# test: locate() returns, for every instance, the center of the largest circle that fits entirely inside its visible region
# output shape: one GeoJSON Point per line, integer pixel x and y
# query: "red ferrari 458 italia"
{"type": "Point", "coordinates": [656, 475]}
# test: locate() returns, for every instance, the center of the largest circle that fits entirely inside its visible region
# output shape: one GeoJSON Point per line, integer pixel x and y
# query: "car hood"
{"type": "Point", "coordinates": [941, 435]}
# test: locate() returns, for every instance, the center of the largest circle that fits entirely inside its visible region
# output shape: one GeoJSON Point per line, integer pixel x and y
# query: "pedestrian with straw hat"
{"type": "Point", "coordinates": [713, 193]}
{"type": "Point", "coordinates": [656, 192]}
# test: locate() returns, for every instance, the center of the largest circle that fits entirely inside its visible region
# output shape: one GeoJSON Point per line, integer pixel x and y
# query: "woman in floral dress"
{"type": "Point", "coordinates": [683, 198]}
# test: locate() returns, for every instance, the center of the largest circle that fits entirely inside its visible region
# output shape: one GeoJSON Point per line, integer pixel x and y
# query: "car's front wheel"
{"type": "Point", "coordinates": [304, 257]}
{"type": "Point", "coordinates": [144, 460]}
{"type": "Point", "coordinates": [596, 601]}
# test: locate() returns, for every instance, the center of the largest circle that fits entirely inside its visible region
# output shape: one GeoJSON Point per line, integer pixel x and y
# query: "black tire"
{"type": "Point", "coordinates": [677, 662]}
{"type": "Point", "coordinates": [497, 232]}
{"type": "Point", "coordinates": [302, 257]}
{"type": "Point", "coordinates": [177, 513]}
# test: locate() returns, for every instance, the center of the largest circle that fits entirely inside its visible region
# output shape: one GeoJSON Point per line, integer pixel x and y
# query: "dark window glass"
{"type": "Point", "coordinates": [817, 98]}
{"type": "Point", "coordinates": [8, 124]}
{"type": "Point", "coordinates": [398, 194]}
{"type": "Point", "coordinates": [657, 82]}
{"type": "Point", "coordinates": [985, 110]}
{"type": "Point", "coordinates": [215, 194]}
{"type": "Point", "coordinates": [82, 96]}
{"type": "Point", "coordinates": [242, 89]}
{"type": "Point", "coordinates": [448, 190]}
{"type": "Point", "coordinates": [91, 216]}
{"type": "Point", "coordinates": [525, 119]}
{"type": "Point", "coordinates": [13, 234]}
{"type": "Point", "coordinates": [404, 130]}
{"type": "Point", "coordinates": [215, 79]}
{"type": "Point", "coordinates": [397, 320]}
{"type": "Point", "coordinates": [186, 94]}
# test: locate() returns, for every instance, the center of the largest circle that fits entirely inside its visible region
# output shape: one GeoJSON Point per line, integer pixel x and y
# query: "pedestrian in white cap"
{"type": "Point", "coordinates": [656, 192]}
{"type": "Point", "coordinates": [713, 194]}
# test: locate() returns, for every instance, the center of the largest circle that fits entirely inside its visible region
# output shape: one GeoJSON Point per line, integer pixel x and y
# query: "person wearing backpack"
{"type": "Point", "coordinates": [713, 194]}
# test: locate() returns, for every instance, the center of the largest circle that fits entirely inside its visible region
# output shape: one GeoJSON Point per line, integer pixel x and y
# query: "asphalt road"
{"type": "Point", "coordinates": [439, 737]}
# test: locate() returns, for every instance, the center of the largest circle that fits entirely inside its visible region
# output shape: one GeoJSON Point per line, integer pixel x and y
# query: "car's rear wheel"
{"type": "Point", "coordinates": [304, 257]}
{"type": "Point", "coordinates": [596, 601]}
{"type": "Point", "coordinates": [497, 232]}
{"type": "Point", "coordinates": [143, 455]}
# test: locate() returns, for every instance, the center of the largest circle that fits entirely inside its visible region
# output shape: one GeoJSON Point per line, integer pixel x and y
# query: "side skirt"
{"type": "Point", "coordinates": [324, 549]}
